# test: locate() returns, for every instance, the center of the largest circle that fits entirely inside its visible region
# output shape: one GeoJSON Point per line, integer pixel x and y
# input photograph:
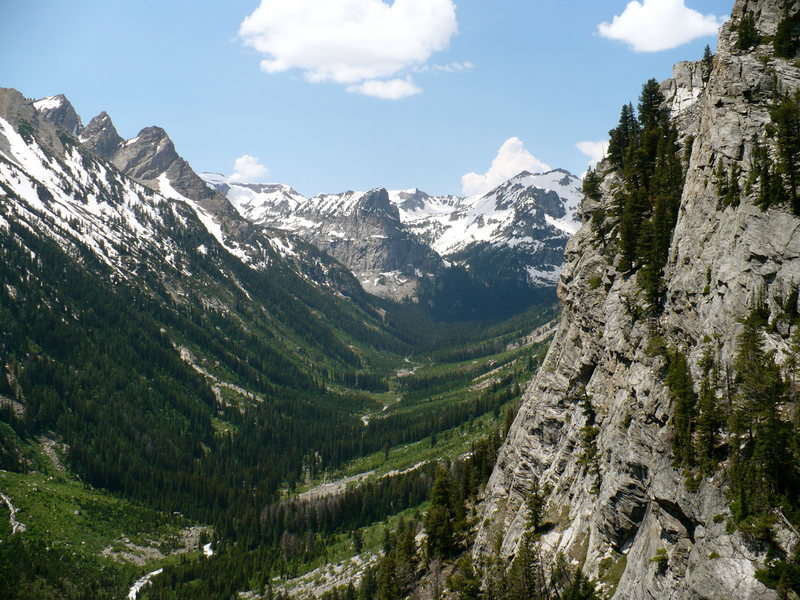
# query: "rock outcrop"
{"type": "Point", "coordinates": [101, 137]}
{"type": "Point", "coordinates": [638, 507]}
{"type": "Point", "coordinates": [364, 232]}
{"type": "Point", "coordinates": [58, 111]}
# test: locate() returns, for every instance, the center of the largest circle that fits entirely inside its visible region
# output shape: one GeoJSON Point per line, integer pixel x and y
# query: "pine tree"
{"type": "Point", "coordinates": [591, 184]}
{"type": "Point", "coordinates": [537, 500]}
{"type": "Point", "coordinates": [589, 457]}
{"type": "Point", "coordinates": [747, 33]}
{"type": "Point", "coordinates": [439, 522]}
{"type": "Point", "coordinates": [388, 584]}
{"type": "Point", "coordinates": [721, 179]}
{"type": "Point", "coordinates": [684, 401]}
{"type": "Point", "coordinates": [358, 541]}
{"type": "Point", "coordinates": [369, 585]}
{"type": "Point", "coordinates": [527, 573]}
{"type": "Point", "coordinates": [786, 115]}
{"type": "Point", "coordinates": [651, 106]}
{"type": "Point", "coordinates": [784, 42]}
{"type": "Point", "coordinates": [762, 464]}
{"type": "Point", "coordinates": [405, 555]}
{"type": "Point", "coordinates": [623, 136]}
{"type": "Point", "coordinates": [656, 235]}
{"type": "Point", "coordinates": [581, 588]}
{"type": "Point", "coordinates": [464, 581]}
{"type": "Point", "coordinates": [709, 418]}
{"type": "Point", "coordinates": [707, 62]}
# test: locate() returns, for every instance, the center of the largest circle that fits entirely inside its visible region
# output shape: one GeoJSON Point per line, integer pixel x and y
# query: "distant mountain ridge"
{"type": "Point", "coordinates": [396, 241]}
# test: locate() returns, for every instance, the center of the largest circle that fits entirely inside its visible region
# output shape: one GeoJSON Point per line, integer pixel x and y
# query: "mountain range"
{"type": "Point", "coordinates": [401, 245]}
{"type": "Point", "coordinates": [394, 241]}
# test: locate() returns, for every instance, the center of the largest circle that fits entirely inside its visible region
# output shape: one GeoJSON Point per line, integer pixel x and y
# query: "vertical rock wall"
{"type": "Point", "coordinates": [721, 258]}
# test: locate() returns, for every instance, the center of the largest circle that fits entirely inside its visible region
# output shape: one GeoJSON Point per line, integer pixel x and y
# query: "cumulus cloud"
{"type": "Point", "coordinates": [655, 25]}
{"type": "Point", "coordinates": [364, 44]}
{"type": "Point", "coordinates": [596, 151]}
{"type": "Point", "coordinates": [511, 160]}
{"type": "Point", "coordinates": [248, 169]}
{"type": "Point", "coordinates": [393, 89]}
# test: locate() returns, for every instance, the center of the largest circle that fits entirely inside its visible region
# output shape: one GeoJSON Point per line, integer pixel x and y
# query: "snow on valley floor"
{"type": "Point", "coordinates": [140, 583]}
{"type": "Point", "coordinates": [16, 526]}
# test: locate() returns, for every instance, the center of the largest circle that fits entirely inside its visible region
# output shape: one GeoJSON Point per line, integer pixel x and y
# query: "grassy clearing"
{"type": "Point", "coordinates": [80, 520]}
{"type": "Point", "coordinates": [76, 524]}
{"type": "Point", "coordinates": [449, 444]}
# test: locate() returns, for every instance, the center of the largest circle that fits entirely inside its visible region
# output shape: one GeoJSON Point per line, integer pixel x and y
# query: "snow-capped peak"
{"type": "Point", "coordinates": [59, 112]}
{"type": "Point", "coordinates": [50, 103]}
{"type": "Point", "coordinates": [259, 203]}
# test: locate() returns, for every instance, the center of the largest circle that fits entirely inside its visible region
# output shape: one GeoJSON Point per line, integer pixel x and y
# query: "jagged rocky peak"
{"type": "Point", "coordinates": [596, 428]}
{"type": "Point", "coordinates": [14, 107]}
{"type": "Point", "coordinates": [12, 103]}
{"type": "Point", "coordinates": [394, 239]}
{"type": "Point", "coordinates": [101, 137]}
{"type": "Point", "coordinates": [58, 111]}
{"type": "Point", "coordinates": [411, 200]}
{"type": "Point", "coordinates": [523, 188]}
{"type": "Point", "coordinates": [146, 156]}
{"type": "Point", "coordinates": [151, 158]}
{"type": "Point", "coordinates": [563, 177]}
{"type": "Point", "coordinates": [376, 203]}
{"type": "Point", "coordinates": [363, 230]}
{"type": "Point", "coordinates": [18, 111]}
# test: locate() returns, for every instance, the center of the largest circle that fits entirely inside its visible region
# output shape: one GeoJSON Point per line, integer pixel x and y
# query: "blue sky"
{"type": "Point", "coordinates": [535, 70]}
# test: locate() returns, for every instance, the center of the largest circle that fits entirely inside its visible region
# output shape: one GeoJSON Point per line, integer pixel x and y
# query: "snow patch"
{"type": "Point", "coordinates": [684, 98]}
{"type": "Point", "coordinates": [544, 277]}
{"type": "Point", "coordinates": [567, 226]}
{"type": "Point", "coordinates": [50, 103]}
{"type": "Point", "coordinates": [133, 593]}
{"type": "Point", "coordinates": [211, 226]}
{"type": "Point", "coordinates": [284, 247]}
{"type": "Point", "coordinates": [16, 526]}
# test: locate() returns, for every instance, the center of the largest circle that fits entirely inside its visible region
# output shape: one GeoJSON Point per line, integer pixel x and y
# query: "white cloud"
{"type": "Point", "coordinates": [511, 160]}
{"type": "Point", "coordinates": [655, 25]}
{"type": "Point", "coordinates": [596, 151]}
{"type": "Point", "coordinates": [393, 89]}
{"type": "Point", "coordinates": [364, 44]}
{"type": "Point", "coordinates": [453, 67]}
{"type": "Point", "coordinates": [248, 169]}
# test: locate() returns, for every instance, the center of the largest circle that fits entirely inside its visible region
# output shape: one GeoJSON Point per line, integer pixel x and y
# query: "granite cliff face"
{"type": "Point", "coordinates": [721, 258]}
{"type": "Point", "coordinates": [364, 232]}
